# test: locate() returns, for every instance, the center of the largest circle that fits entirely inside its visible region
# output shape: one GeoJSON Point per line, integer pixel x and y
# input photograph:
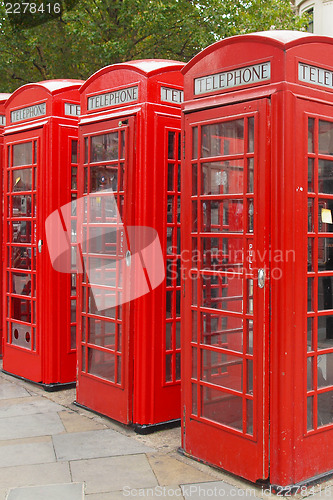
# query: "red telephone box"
{"type": "Point", "coordinates": [40, 139]}
{"type": "Point", "coordinates": [257, 201]}
{"type": "Point", "coordinates": [3, 99]}
{"type": "Point", "coordinates": [129, 351]}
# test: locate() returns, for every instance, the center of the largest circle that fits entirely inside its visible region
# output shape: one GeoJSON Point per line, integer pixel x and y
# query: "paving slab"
{"type": "Point", "coordinates": [35, 405]}
{"type": "Point", "coordinates": [96, 444]}
{"type": "Point", "coordinates": [156, 492]}
{"type": "Point", "coordinates": [114, 473]}
{"type": "Point", "coordinates": [30, 425]}
{"type": "Point", "coordinates": [34, 475]}
{"type": "Point", "coordinates": [169, 470]}
{"type": "Point", "coordinates": [27, 440]}
{"type": "Point", "coordinates": [10, 390]}
{"type": "Point", "coordinates": [74, 422]}
{"type": "Point", "coordinates": [24, 454]}
{"type": "Point", "coordinates": [217, 489]}
{"type": "Point", "coordinates": [71, 491]}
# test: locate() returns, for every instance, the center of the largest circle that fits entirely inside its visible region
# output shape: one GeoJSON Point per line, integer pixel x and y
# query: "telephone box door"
{"type": "Point", "coordinates": [226, 293]}
{"type": "Point", "coordinates": [22, 346]}
{"type": "Point", "coordinates": [107, 184]}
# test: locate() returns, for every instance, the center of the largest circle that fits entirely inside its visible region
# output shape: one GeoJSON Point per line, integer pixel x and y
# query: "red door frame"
{"type": "Point", "coordinates": [220, 442]}
{"type": "Point", "coordinates": [26, 363]}
{"type": "Point", "coordinates": [106, 397]}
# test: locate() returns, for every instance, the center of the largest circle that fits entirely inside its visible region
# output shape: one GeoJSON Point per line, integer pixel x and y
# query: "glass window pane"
{"type": "Point", "coordinates": [222, 369]}
{"type": "Point", "coordinates": [250, 175]}
{"type": "Point", "coordinates": [325, 292]}
{"type": "Point", "coordinates": [220, 139]}
{"type": "Point", "coordinates": [21, 206]}
{"type": "Point", "coordinates": [223, 292]}
{"type": "Point", "coordinates": [325, 176]}
{"type": "Point", "coordinates": [249, 336]}
{"type": "Point", "coordinates": [178, 365]}
{"type": "Point", "coordinates": [325, 254]}
{"type": "Point", "coordinates": [310, 413]}
{"type": "Point", "coordinates": [310, 135]}
{"type": "Point", "coordinates": [74, 152]}
{"type": "Point", "coordinates": [21, 309]}
{"type": "Point", "coordinates": [102, 333]}
{"type": "Point", "coordinates": [325, 137]}
{"type": "Point", "coordinates": [171, 145]}
{"type": "Point", "coordinates": [325, 332]}
{"type": "Point", "coordinates": [22, 179]}
{"type": "Point", "coordinates": [22, 154]}
{"type": "Point", "coordinates": [249, 416]}
{"type": "Point", "coordinates": [250, 125]}
{"type": "Point", "coordinates": [21, 284]}
{"type": "Point", "coordinates": [311, 175]}
{"type": "Point", "coordinates": [222, 254]}
{"type": "Point", "coordinates": [223, 177]}
{"type": "Point", "coordinates": [104, 147]}
{"type": "Point", "coordinates": [21, 231]}
{"type": "Point", "coordinates": [21, 257]}
{"type": "Point", "coordinates": [101, 364]}
{"type": "Point", "coordinates": [325, 369]}
{"type": "Point", "coordinates": [222, 331]}
{"type": "Point", "coordinates": [222, 216]}
{"type": "Point", "coordinates": [223, 408]}
{"type": "Point", "coordinates": [310, 254]}
{"type": "Point", "coordinates": [310, 216]}
{"type": "Point", "coordinates": [168, 368]}
{"type": "Point", "coordinates": [195, 142]}
{"type": "Point", "coordinates": [310, 294]}
{"type": "Point", "coordinates": [103, 178]}
{"type": "Point", "coordinates": [171, 169]}
{"type": "Point", "coordinates": [310, 333]}
{"type": "Point", "coordinates": [325, 408]}
{"type": "Point", "coordinates": [310, 374]}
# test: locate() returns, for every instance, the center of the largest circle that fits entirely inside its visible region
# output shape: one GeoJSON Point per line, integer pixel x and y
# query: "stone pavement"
{"type": "Point", "coordinates": [52, 450]}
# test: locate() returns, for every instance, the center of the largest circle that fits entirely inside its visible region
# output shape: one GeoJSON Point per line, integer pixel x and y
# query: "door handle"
{"type": "Point", "coordinates": [40, 245]}
{"type": "Point", "coordinates": [261, 278]}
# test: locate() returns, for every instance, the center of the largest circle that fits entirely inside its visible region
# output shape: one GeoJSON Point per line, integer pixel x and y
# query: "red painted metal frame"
{"type": "Point", "coordinates": [46, 355]}
{"type": "Point", "coordinates": [146, 398]}
{"type": "Point", "coordinates": [3, 99]}
{"type": "Point", "coordinates": [295, 453]}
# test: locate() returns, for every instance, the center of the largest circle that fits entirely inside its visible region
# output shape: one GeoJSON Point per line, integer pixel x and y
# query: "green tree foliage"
{"type": "Point", "coordinates": [95, 33]}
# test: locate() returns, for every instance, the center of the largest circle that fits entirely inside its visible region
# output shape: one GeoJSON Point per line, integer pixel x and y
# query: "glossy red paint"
{"type": "Point", "coordinates": [129, 355]}
{"type": "Point", "coordinates": [40, 141]}
{"type": "Point", "coordinates": [3, 99]}
{"type": "Point", "coordinates": [269, 96]}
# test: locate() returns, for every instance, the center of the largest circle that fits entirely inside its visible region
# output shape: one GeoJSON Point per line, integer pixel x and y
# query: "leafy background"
{"type": "Point", "coordinates": [90, 34]}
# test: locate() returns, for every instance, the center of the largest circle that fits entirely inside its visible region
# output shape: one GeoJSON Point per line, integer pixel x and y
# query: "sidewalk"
{"type": "Point", "coordinates": [52, 450]}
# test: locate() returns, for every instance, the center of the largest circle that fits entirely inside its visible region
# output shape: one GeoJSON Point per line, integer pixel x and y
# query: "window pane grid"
{"type": "Point", "coordinates": [173, 289]}
{"type": "Point", "coordinates": [222, 335]}
{"type": "Point", "coordinates": [320, 275]}
{"type": "Point", "coordinates": [103, 253]}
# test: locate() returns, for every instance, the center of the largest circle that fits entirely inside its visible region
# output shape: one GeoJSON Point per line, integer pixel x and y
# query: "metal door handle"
{"type": "Point", "coordinates": [128, 258]}
{"type": "Point", "coordinates": [261, 278]}
{"type": "Point", "coordinates": [40, 244]}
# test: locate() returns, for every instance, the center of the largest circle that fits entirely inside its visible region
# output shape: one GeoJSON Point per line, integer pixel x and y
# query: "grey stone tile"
{"type": "Point", "coordinates": [71, 491]}
{"type": "Point", "coordinates": [155, 492]}
{"type": "Point", "coordinates": [113, 473]}
{"type": "Point", "coordinates": [10, 391]}
{"type": "Point", "coordinates": [30, 425]}
{"type": "Point", "coordinates": [26, 454]}
{"type": "Point", "coordinates": [217, 489]}
{"type": "Point", "coordinates": [96, 444]}
{"type": "Point", "coordinates": [40, 405]}
{"type": "Point", "coordinates": [34, 475]}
